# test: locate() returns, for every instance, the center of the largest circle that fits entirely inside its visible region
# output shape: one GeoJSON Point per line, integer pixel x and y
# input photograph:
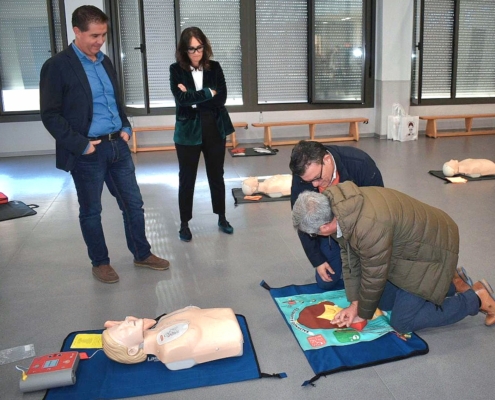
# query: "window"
{"type": "Point", "coordinates": [146, 52]}
{"type": "Point", "coordinates": [276, 54]}
{"type": "Point", "coordinates": [282, 50]}
{"type": "Point", "coordinates": [148, 47]}
{"type": "Point", "coordinates": [27, 39]}
{"type": "Point", "coordinates": [337, 55]}
{"type": "Point", "coordinates": [339, 51]}
{"type": "Point", "coordinates": [220, 22]}
{"type": "Point", "coordinates": [454, 52]}
{"type": "Point", "coordinates": [476, 49]}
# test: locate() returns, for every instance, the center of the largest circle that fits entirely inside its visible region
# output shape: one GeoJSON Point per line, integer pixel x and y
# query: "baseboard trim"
{"type": "Point", "coordinates": [27, 153]}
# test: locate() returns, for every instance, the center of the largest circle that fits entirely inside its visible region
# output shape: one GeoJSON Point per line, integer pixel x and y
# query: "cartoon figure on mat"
{"type": "Point", "coordinates": [274, 186]}
{"type": "Point", "coordinates": [319, 316]}
{"type": "Point", "coordinates": [474, 168]}
{"type": "Point", "coordinates": [180, 340]}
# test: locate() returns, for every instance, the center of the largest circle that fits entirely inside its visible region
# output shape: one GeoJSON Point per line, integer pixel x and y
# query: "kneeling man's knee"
{"type": "Point", "coordinates": [400, 324]}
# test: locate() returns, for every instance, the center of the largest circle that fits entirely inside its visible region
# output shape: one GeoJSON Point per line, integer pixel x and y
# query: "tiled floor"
{"type": "Point", "coordinates": [47, 291]}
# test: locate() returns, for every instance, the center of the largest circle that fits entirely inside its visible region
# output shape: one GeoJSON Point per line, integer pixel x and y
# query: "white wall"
{"type": "Point", "coordinates": [394, 40]}
{"type": "Point", "coordinates": [394, 21]}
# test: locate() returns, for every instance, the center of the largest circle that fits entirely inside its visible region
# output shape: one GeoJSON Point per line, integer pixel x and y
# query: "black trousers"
{"type": "Point", "coordinates": [213, 149]}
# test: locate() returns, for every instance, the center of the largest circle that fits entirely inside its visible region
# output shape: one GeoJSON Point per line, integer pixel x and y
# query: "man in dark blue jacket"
{"type": "Point", "coordinates": [315, 167]}
{"type": "Point", "coordinates": [81, 108]}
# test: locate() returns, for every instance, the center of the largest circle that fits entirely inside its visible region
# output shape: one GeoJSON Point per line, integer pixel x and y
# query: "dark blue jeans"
{"type": "Point", "coordinates": [333, 258]}
{"type": "Point", "coordinates": [411, 313]}
{"type": "Point", "coordinates": [112, 164]}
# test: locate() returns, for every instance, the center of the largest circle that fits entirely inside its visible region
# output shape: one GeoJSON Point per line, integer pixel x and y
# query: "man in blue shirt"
{"type": "Point", "coordinates": [81, 108]}
{"type": "Point", "coordinates": [315, 167]}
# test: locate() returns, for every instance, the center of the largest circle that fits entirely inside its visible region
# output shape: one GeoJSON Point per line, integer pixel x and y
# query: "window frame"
{"type": "Point", "coordinates": [249, 70]}
{"type": "Point", "coordinates": [419, 101]}
{"type": "Point", "coordinates": [34, 115]}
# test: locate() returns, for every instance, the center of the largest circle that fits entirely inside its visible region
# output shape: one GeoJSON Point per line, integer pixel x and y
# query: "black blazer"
{"type": "Point", "coordinates": [352, 165]}
{"type": "Point", "coordinates": [188, 125]}
{"type": "Point", "coordinates": [66, 104]}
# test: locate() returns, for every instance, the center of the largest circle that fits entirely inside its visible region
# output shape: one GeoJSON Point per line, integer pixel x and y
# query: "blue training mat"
{"type": "Point", "coordinates": [101, 378]}
{"type": "Point", "coordinates": [332, 359]}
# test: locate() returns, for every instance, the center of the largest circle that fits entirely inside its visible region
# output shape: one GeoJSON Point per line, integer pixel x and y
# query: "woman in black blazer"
{"type": "Point", "coordinates": [202, 123]}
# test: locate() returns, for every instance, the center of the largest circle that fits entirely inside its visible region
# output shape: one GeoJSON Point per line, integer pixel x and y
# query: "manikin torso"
{"type": "Point", "coordinates": [274, 186]}
{"type": "Point", "coordinates": [186, 337]}
{"type": "Point", "coordinates": [471, 167]}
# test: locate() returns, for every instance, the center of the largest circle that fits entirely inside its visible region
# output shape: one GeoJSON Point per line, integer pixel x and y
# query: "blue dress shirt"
{"type": "Point", "coordinates": [106, 117]}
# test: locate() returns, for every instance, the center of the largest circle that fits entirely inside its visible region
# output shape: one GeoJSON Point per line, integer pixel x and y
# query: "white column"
{"type": "Point", "coordinates": [394, 23]}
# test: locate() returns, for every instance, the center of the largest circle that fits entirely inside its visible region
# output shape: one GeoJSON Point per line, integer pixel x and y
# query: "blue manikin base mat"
{"type": "Point", "coordinates": [332, 359]}
{"type": "Point", "coordinates": [101, 378]}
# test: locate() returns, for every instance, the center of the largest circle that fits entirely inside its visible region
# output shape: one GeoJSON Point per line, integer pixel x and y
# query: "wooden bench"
{"type": "Point", "coordinates": [353, 130]}
{"type": "Point", "coordinates": [136, 129]}
{"type": "Point", "coordinates": [431, 125]}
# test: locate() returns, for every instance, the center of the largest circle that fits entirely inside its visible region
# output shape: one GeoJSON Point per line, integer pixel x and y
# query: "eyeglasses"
{"type": "Point", "coordinates": [192, 50]}
{"type": "Point", "coordinates": [319, 176]}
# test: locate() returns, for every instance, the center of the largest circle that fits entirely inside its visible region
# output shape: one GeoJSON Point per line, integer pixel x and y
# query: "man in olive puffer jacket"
{"type": "Point", "coordinates": [314, 167]}
{"type": "Point", "coordinates": [398, 254]}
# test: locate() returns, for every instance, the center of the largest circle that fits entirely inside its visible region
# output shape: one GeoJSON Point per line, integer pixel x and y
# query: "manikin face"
{"type": "Point", "coordinates": [130, 332]}
{"type": "Point", "coordinates": [90, 42]}
{"type": "Point", "coordinates": [198, 53]}
{"type": "Point", "coordinates": [320, 175]}
{"type": "Point", "coordinates": [250, 185]}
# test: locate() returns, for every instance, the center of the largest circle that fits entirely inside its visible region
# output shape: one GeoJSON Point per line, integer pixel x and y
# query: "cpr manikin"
{"type": "Point", "coordinates": [471, 167]}
{"type": "Point", "coordinates": [274, 186]}
{"type": "Point", "coordinates": [180, 340]}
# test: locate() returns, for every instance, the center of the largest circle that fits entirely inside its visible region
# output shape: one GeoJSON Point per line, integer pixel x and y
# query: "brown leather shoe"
{"type": "Point", "coordinates": [460, 284]}
{"type": "Point", "coordinates": [153, 262]}
{"type": "Point", "coordinates": [483, 290]}
{"type": "Point", "coordinates": [105, 273]}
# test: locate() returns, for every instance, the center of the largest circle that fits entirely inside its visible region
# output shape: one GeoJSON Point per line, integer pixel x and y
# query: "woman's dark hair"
{"type": "Point", "coordinates": [305, 153]}
{"type": "Point", "coordinates": [184, 42]}
{"type": "Point", "coordinates": [85, 15]}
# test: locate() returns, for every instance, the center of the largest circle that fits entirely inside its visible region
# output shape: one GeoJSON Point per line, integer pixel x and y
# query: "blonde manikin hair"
{"type": "Point", "coordinates": [118, 352]}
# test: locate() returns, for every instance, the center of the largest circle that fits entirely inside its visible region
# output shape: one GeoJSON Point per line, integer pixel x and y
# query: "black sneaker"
{"type": "Point", "coordinates": [185, 234]}
{"type": "Point", "coordinates": [225, 227]}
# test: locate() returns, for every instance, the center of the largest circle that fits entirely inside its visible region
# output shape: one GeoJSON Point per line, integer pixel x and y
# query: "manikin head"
{"type": "Point", "coordinates": [122, 340]}
{"type": "Point", "coordinates": [451, 168]}
{"type": "Point", "coordinates": [250, 186]}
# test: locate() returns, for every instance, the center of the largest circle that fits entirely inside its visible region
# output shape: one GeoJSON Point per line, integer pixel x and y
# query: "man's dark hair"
{"type": "Point", "coordinates": [181, 52]}
{"type": "Point", "coordinates": [85, 15]}
{"type": "Point", "coordinates": [305, 153]}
